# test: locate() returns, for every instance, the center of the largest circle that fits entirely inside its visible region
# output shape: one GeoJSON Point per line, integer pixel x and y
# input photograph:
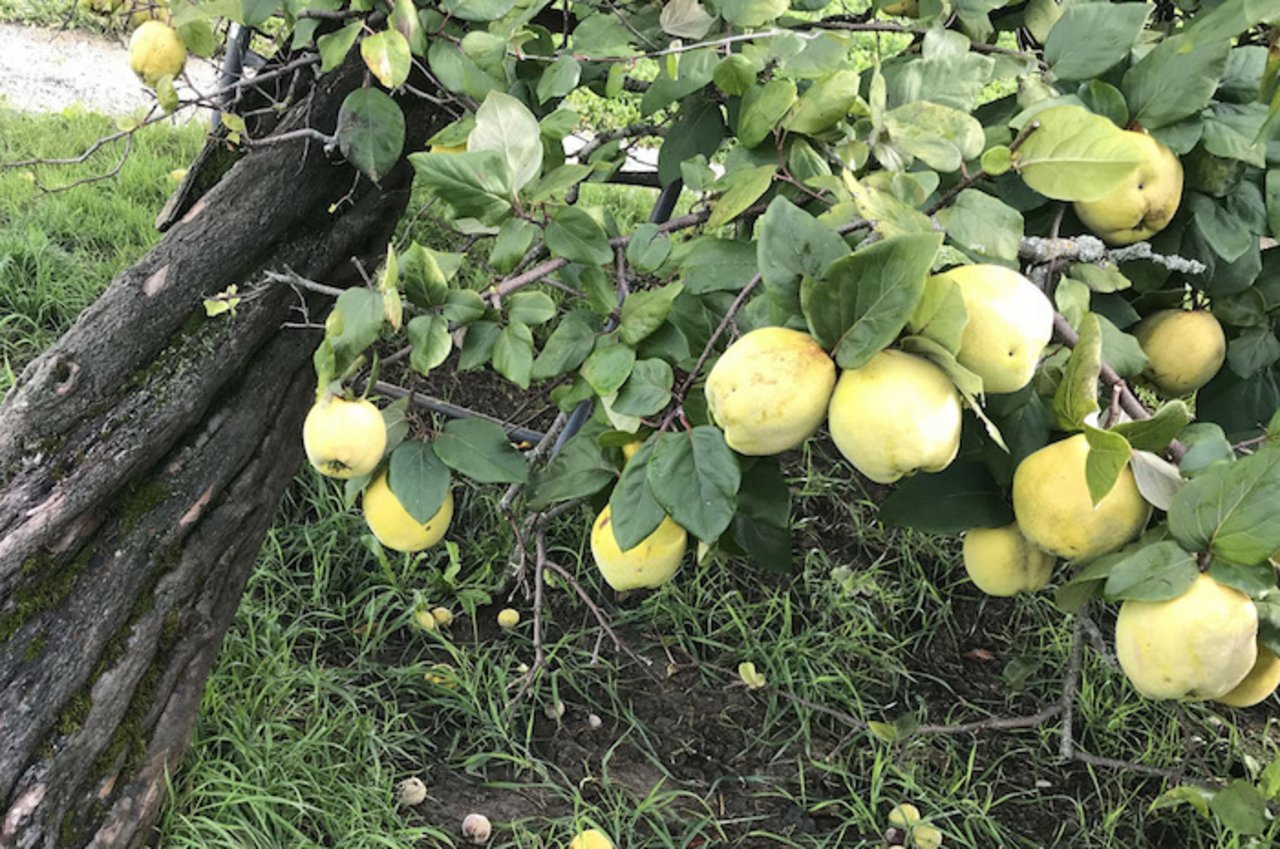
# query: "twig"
{"type": "Point", "coordinates": [1071, 681]}
{"type": "Point", "coordinates": [453, 411]}
{"type": "Point", "coordinates": [533, 456]}
{"type": "Point", "coordinates": [1128, 766]}
{"type": "Point", "coordinates": [601, 619]}
{"type": "Point", "coordinates": [995, 723]}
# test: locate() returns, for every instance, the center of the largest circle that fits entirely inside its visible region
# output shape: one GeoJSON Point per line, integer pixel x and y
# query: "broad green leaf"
{"type": "Point", "coordinates": [574, 235]}
{"type": "Point", "coordinates": [1076, 155]}
{"type": "Point", "coordinates": [477, 10]}
{"type": "Point", "coordinates": [419, 481]}
{"type": "Point", "coordinates": [1077, 396]}
{"type": "Point", "coordinates": [941, 314]}
{"type": "Point", "coordinates": [688, 73]}
{"type": "Point", "coordinates": [888, 215]}
{"type": "Point", "coordinates": [1109, 453]}
{"type": "Point", "coordinates": [579, 470]}
{"type": "Point", "coordinates": [762, 524]}
{"type": "Point", "coordinates": [430, 341]}
{"type": "Point", "coordinates": [603, 35]}
{"type": "Point", "coordinates": [457, 71]}
{"type": "Point", "coordinates": [1252, 351]}
{"type": "Point", "coordinates": [608, 367]}
{"type": "Point", "coordinates": [425, 274]}
{"type": "Point", "coordinates": [354, 324]}
{"type": "Point", "coordinates": [476, 184]}
{"type": "Point", "coordinates": [685, 19]}
{"type": "Point", "coordinates": [1250, 579]}
{"type": "Point", "coordinates": [556, 182]}
{"type": "Point", "coordinates": [515, 237]}
{"type": "Point", "coordinates": [480, 450]}
{"type": "Point", "coordinates": [560, 78]}
{"type": "Point", "coordinates": [573, 339]}
{"type": "Point", "coordinates": [735, 74]}
{"type": "Point", "coordinates": [1230, 509]}
{"type": "Point", "coordinates": [864, 300]}
{"type": "Point", "coordinates": [695, 477]}
{"type": "Point", "coordinates": [985, 228]}
{"type": "Point", "coordinates": [1195, 796]}
{"type": "Point", "coordinates": [463, 306]}
{"type": "Point", "coordinates": [763, 108]}
{"type": "Point", "coordinates": [529, 307]}
{"type": "Point", "coordinates": [1206, 444]}
{"type": "Point", "coordinates": [1120, 350]}
{"type": "Point", "coordinates": [1155, 572]}
{"type": "Point", "coordinates": [1155, 433]}
{"type": "Point", "coordinates": [947, 73]}
{"type": "Point", "coordinates": [1240, 807]}
{"type": "Point", "coordinates": [745, 188]}
{"type": "Point", "coordinates": [1091, 38]}
{"type": "Point", "coordinates": [644, 311]}
{"type": "Point", "coordinates": [335, 46]}
{"type": "Point", "coordinates": [477, 344]}
{"type": "Point", "coordinates": [941, 137]}
{"type": "Point", "coordinates": [752, 13]}
{"type": "Point", "coordinates": [513, 354]}
{"type": "Point", "coordinates": [698, 132]}
{"type": "Point", "coordinates": [404, 19]}
{"type": "Point", "coordinates": [960, 497]}
{"type": "Point", "coordinates": [648, 248]}
{"type": "Point", "coordinates": [825, 102]}
{"type": "Point", "coordinates": [1157, 479]}
{"type": "Point", "coordinates": [647, 390]}
{"type": "Point", "coordinates": [371, 131]}
{"type": "Point", "coordinates": [790, 244]}
{"type": "Point", "coordinates": [387, 56]}
{"type": "Point", "coordinates": [635, 513]}
{"type": "Point", "coordinates": [1175, 80]}
{"type": "Point", "coordinates": [714, 265]}
{"type": "Point", "coordinates": [506, 125]}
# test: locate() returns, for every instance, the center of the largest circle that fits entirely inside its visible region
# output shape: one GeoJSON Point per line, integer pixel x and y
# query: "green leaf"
{"type": "Point", "coordinates": [463, 306]}
{"type": "Point", "coordinates": [579, 470]}
{"type": "Point", "coordinates": [1252, 351]}
{"type": "Point", "coordinates": [714, 265]}
{"type": "Point", "coordinates": [335, 46]}
{"type": "Point", "coordinates": [1240, 807]}
{"type": "Point", "coordinates": [1206, 444]}
{"type": "Point", "coordinates": [762, 525]}
{"type": "Point", "coordinates": [387, 56]}
{"type": "Point", "coordinates": [425, 274]}
{"type": "Point", "coordinates": [1076, 398]}
{"type": "Point", "coordinates": [941, 314]}
{"type": "Point", "coordinates": [1155, 433]}
{"type": "Point", "coordinates": [608, 367]}
{"type": "Point", "coordinates": [529, 307]}
{"type": "Point", "coordinates": [1155, 572]}
{"type": "Point", "coordinates": [648, 248]}
{"type": "Point", "coordinates": [556, 182]}
{"type": "Point", "coordinates": [1195, 796]}
{"type": "Point", "coordinates": [1091, 38]}
{"type": "Point", "coordinates": [685, 19]}
{"type": "Point", "coordinates": [752, 13]}
{"type": "Point", "coordinates": [695, 477]}
{"type": "Point", "coordinates": [1076, 155]}
{"type": "Point", "coordinates": [477, 344]}
{"type": "Point", "coordinates": [634, 510]}
{"type": "Point", "coordinates": [698, 132]}
{"type": "Point", "coordinates": [419, 481]}
{"type": "Point", "coordinates": [476, 184]}
{"type": "Point", "coordinates": [826, 102]}
{"type": "Point", "coordinates": [791, 243]}
{"type": "Point", "coordinates": [603, 35]}
{"type": "Point", "coordinates": [960, 497]}
{"type": "Point", "coordinates": [864, 300]}
{"type": "Point", "coordinates": [430, 341]}
{"type": "Point", "coordinates": [354, 324]}
{"type": "Point", "coordinates": [506, 125]}
{"type": "Point", "coordinates": [574, 235]}
{"type": "Point", "coordinates": [1109, 453]}
{"type": "Point", "coordinates": [477, 10]}
{"type": "Point", "coordinates": [745, 188]}
{"type": "Point", "coordinates": [735, 74]}
{"type": "Point", "coordinates": [983, 227]}
{"type": "Point", "coordinates": [371, 131]}
{"type": "Point", "coordinates": [513, 354]}
{"type": "Point", "coordinates": [560, 78]}
{"type": "Point", "coordinates": [1230, 509]}
{"type": "Point", "coordinates": [889, 215]}
{"type": "Point", "coordinates": [404, 18]}
{"type": "Point", "coordinates": [763, 108]}
{"type": "Point", "coordinates": [647, 390]}
{"type": "Point", "coordinates": [573, 339]}
{"type": "Point", "coordinates": [515, 237]}
{"type": "Point", "coordinates": [643, 312]}
{"type": "Point", "coordinates": [480, 450]}
{"type": "Point", "coordinates": [941, 137]}
{"type": "Point", "coordinates": [1175, 80]}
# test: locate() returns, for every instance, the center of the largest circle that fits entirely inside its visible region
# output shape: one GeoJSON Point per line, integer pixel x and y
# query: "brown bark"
{"type": "Point", "coordinates": [141, 458]}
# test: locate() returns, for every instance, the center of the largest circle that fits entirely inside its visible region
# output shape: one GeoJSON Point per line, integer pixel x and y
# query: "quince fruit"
{"type": "Point", "coordinates": [1010, 323]}
{"type": "Point", "coordinates": [394, 526]}
{"type": "Point", "coordinates": [649, 564]}
{"type": "Point", "coordinates": [1143, 204]}
{"type": "Point", "coordinates": [1003, 562]}
{"type": "Point", "coordinates": [155, 51]}
{"type": "Point", "coordinates": [769, 390]}
{"type": "Point", "coordinates": [1052, 504]}
{"type": "Point", "coordinates": [1200, 645]}
{"type": "Point", "coordinates": [896, 415]}
{"type": "Point", "coordinates": [591, 839]}
{"type": "Point", "coordinates": [1261, 681]}
{"type": "Point", "coordinates": [1184, 349]}
{"type": "Point", "coordinates": [344, 439]}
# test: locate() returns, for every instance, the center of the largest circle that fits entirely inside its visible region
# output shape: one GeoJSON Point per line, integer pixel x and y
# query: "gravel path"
{"type": "Point", "coordinates": [48, 70]}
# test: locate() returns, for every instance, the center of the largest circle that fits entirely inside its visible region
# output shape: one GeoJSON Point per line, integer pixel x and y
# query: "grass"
{"type": "Point", "coordinates": [326, 695]}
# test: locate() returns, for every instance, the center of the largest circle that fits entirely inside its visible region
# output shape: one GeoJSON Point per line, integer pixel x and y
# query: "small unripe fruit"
{"type": "Point", "coordinates": [411, 791]}
{"type": "Point", "coordinates": [508, 617]}
{"type": "Point", "coordinates": [442, 615]}
{"type": "Point", "coordinates": [476, 828]}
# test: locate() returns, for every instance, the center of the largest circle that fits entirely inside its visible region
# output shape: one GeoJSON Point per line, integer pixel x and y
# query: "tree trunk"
{"type": "Point", "coordinates": [141, 459]}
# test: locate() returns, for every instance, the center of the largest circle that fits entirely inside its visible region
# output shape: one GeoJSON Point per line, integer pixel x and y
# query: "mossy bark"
{"type": "Point", "coordinates": [141, 459]}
